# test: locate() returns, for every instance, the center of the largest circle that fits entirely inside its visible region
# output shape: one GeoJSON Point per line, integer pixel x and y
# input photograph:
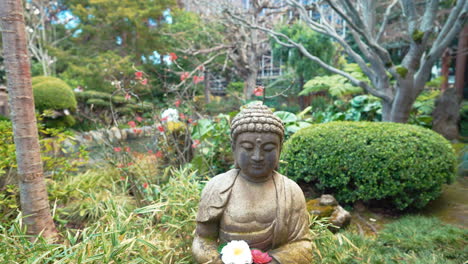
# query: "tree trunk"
{"type": "Point", "coordinates": [447, 114]}
{"type": "Point", "coordinates": [33, 193]}
{"type": "Point", "coordinates": [250, 84]}
{"type": "Point", "coordinates": [462, 54]}
{"type": "Point", "coordinates": [445, 69]}
{"type": "Point", "coordinates": [403, 102]}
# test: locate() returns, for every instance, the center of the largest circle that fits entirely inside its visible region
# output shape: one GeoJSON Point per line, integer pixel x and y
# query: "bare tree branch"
{"type": "Point", "coordinates": [385, 20]}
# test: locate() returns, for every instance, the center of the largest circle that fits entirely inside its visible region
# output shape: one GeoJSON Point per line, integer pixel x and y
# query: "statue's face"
{"type": "Point", "coordinates": [257, 154]}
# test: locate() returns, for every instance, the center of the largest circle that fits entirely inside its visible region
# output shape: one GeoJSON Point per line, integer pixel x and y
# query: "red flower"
{"type": "Point", "coordinates": [137, 130]}
{"type": "Point", "coordinates": [190, 120]}
{"type": "Point", "coordinates": [130, 164]}
{"type": "Point", "coordinates": [182, 116]}
{"type": "Point", "coordinates": [139, 118]}
{"type": "Point", "coordinates": [145, 185]}
{"type": "Point", "coordinates": [117, 149]}
{"type": "Point", "coordinates": [138, 75]}
{"type": "Point", "coordinates": [122, 178]}
{"type": "Point", "coordinates": [177, 103]}
{"type": "Point", "coordinates": [127, 96]}
{"type": "Point", "coordinates": [259, 257]}
{"type": "Point", "coordinates": [201, 68]}
{"type": "Point", "coordinates": [127, 149]}
{"type": "Point", "coordinates": [184, 76]}
{"type": "Point", "coordinates": [159, 154]}
{"type": "Point", "coordinates": [197, 79]}
{"type": "Point", "coordinates": [161, 129]}
{"type": "Point", "coordinates": [132, 124]}
{"type": "Point", "coordinates": [172, 56]}
{"type": "Point", "coordinates": [258, 91]}
{"type": "Point", "coordinates": [195, 144]}
{"type": "Point", "coordinates": [144, 81]}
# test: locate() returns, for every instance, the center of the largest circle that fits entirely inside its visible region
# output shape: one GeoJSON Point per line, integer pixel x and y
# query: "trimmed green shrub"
{"type": "Point", "coordinates": [98, 102]}
{"type": "Point", "coordinates": [400, 165]}
{"type": "Point", "coordinates": [52, 93]}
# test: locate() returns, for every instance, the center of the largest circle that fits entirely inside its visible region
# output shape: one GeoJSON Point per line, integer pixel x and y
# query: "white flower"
{"type": "Point", "coordinates": [236, 252]}
{"type": "Point", "coordinates": [170, 114]}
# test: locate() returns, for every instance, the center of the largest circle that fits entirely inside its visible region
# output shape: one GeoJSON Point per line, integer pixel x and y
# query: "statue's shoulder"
{"type": "Point", "coordinates": [215, 195]}
{"type": "Point", "coordinates": [289, 183]}
{"type": "Point", "coordinates": [222, 181]}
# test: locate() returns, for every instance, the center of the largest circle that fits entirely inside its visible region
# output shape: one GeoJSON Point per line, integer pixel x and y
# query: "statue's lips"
{"type": "Point", "coordinates": [257, 166]}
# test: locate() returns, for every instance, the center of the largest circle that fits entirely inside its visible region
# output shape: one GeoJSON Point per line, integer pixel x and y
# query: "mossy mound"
{"type": "Point", "coordinates": [51, 93]}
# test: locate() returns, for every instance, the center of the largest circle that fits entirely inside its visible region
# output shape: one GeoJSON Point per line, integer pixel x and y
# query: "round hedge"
{"type": "Point", "coordinates": [52, 93]}
{"type": "Point", "coordinates": [402, 166]}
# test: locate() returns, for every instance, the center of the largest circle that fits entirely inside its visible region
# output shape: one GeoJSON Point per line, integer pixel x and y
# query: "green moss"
{"type": "Point", "coordinates": [83, 96]}
{"type": "Point", "coordinates": [40, 79]}
{"type": "Point", "coordinates": [53, 94]}
{"type": "Point", "coordinates": [98, 102]}
{"type": "Point", "coordinates": [401, 165]}
{"type": "Point", "coordinates": [314, 206]}
{"type": "Point", "coordinates": [402, 71]}
{"type": "Point", "coordinates": [417, 36]}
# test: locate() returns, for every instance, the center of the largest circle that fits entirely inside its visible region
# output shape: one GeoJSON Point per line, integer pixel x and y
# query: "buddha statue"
{"type": "Point", "coordinates": [253, 202]}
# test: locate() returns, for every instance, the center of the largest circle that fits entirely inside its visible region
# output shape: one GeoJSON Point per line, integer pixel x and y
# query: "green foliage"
{"type": "Point", "coordinates": [53, 94]}
{"type": "Point", "coordinates": [215, 155]}
{"type": "Point", "coordinates": [7, 148]}
{"type": "Point", "coordinates": [235, 87]}
{"type": "Point", "coordinates": [411, 239]}
{"type": "Point", "coordinates": [464, 119]}
{"type": "Point", "coordinates": [336, 84]}
{"type": "Point", "coordinates": [317, 44]}
{"type": "Point", "coordinates": [402, 166]}
{"type": "Point", "coordinates": [359, 108]}
{"type": "Point", "coordinates": [421, 114]}
{"type": "Point", "coordinates": [292, 123]}
{"type": "Point", "coordinates": [161, 232]}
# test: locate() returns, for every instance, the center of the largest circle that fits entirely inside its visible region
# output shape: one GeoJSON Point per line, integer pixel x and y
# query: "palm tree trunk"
{"type": "Point", "coordinates": [33, 192]}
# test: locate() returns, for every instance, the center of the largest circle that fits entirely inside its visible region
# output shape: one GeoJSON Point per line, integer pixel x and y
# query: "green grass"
{"type": "Point", "coordinates": [104, 224]}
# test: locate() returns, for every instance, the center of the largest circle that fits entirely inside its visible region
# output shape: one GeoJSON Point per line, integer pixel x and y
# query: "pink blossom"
{"type": "Point", "coordinates": [172, 56]}
{"type": "Point", "coordinates": [127, 96]}
{"type": "Point", "coordinates": [184, 76]}
{"type": "Point", "coordinates": [197, 79]}
{"type": "Point", "coordinates": [144, 81]}
{"type": "Point", "coordinates": [177, 103]}
{"type": "Point", "coordinates": [132, 124]}
{"type": "Point", "coordinates": [127, 149]}
{"type": "Point", "coordinates": [259, 257]}
{"type": "Point", "coordinates": [159, 154]}
{"type": "Point", "coordinates": [139, 118]}
{"type": "Point", "coordinates": [182, 116]}
{"type": "Point", "coordinates": [138, 75]}
{"type": "Point", "coordinates": [117, 149]}
{"type": "Point", "coordinates": [258, 91]}
{"type": "Point", "coordinates": [195, 144]}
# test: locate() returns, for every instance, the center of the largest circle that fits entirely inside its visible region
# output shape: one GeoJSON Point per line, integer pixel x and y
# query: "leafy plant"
{"type": "Point", "coordinates": [401, 166]}
{"type": "Point", "coordinates": [335, 84]}
{"type": "Point", "coordinates": [292, 122]}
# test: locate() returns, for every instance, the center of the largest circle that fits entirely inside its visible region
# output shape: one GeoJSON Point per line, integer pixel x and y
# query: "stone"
{"type": "Point", "coordinates": [253, 202]}
{"type": "Point", "coordinates": [116, 133]}
{"type": "Point", "coordinates": [340, 217]}
{"type": "Point", "coordinates": [327, 199]}
{"type": "Point", "coordinates": [327, 206]}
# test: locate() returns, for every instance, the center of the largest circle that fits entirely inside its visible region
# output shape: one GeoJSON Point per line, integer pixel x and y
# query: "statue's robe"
{"type": "Point", "coordinates": [291, 242]}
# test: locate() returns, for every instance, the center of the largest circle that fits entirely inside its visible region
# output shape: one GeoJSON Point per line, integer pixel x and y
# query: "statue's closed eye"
{"type": "Point", "coordinates": [247, 146]}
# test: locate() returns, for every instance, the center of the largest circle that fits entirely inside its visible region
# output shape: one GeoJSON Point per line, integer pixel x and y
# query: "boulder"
{"type": "Point", "coordinates": [327, 206]}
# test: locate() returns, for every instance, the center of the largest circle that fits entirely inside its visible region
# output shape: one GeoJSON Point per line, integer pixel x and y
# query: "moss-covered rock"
{"type": "Point", "coordinates": [51, 93]}
{"type": "Point", "coordinates": [400, 165]}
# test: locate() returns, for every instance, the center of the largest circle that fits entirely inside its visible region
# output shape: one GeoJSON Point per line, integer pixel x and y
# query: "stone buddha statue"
{"type": "Point", "coordinates": [253, 202]}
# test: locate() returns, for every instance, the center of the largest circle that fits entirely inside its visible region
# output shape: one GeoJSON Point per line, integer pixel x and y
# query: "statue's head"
{"type": "Point", "coordinates": [257, 136]}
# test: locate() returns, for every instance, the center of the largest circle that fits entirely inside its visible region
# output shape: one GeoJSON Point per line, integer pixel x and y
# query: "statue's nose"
{"type": "Point", "coordinates": [257, 155]}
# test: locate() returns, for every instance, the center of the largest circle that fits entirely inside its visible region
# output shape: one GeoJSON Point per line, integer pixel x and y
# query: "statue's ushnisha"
{"type": "Point", "coordinates": [253, 202]}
